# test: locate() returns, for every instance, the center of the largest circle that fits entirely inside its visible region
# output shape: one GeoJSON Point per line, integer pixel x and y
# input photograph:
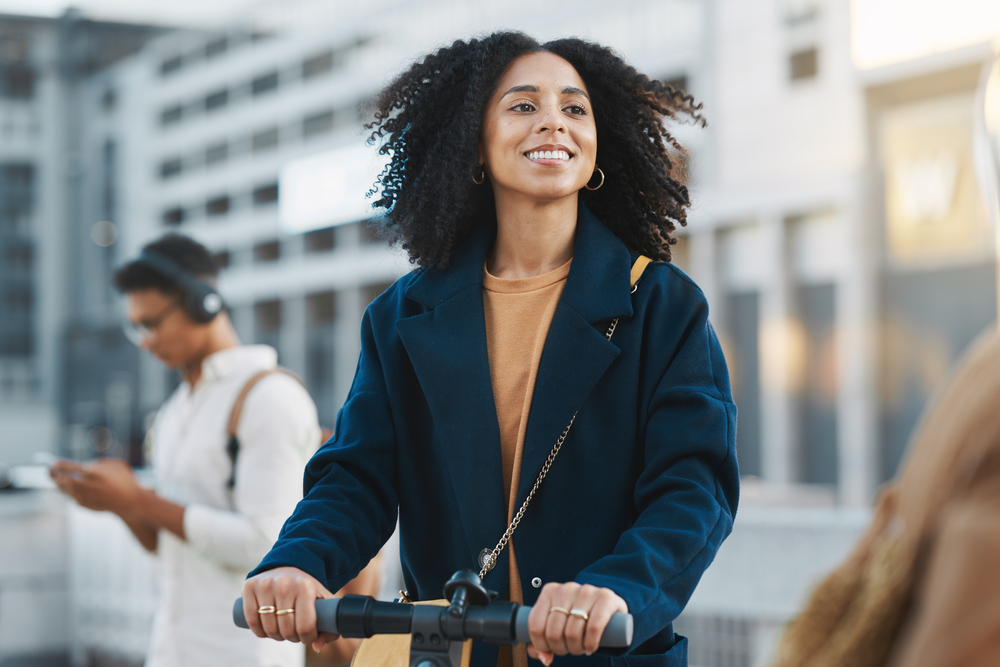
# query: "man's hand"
{"type": "Point", "coordinates": [105, 485]}
{"type": "Point", "coordinates": [285, 588]}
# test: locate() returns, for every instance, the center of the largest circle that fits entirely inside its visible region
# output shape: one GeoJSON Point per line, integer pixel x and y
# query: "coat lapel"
{"type": "Point", "coordinates": [447, 348]}
{"type": "Point", "coordinates": [576, 352]}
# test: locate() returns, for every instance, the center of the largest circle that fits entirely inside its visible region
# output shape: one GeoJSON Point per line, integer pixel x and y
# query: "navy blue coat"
{"type": "Point", "coordinates": [639, 499]}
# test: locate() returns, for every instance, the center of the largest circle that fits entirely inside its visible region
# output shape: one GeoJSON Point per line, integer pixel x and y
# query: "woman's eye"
{"type": "Point", "coordinates": [523, 106]}
{"type": "Point", "coordinates": [576, 110]}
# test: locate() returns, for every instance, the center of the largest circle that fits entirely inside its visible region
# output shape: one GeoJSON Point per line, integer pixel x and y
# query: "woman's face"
{"type": "Point", "coordinates": [539, 139]}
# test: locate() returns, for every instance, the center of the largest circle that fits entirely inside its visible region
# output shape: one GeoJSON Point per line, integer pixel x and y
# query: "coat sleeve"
{"type": "Point", "coordinates": [350, 504]}
{"type": "Point", "coordinates": [686, 494]}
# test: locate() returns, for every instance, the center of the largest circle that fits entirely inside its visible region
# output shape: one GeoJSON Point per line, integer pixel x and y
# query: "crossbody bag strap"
{"type": "Point", "coordinates": [233, 443]}
{"type": "Point", "coordinates": [638, 267]}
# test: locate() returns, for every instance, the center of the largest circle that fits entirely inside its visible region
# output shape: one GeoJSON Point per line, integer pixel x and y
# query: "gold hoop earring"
{"type": "Point", "coordinates": [482, 176]}
{"type": "Point", "coordinates": [597, 170]}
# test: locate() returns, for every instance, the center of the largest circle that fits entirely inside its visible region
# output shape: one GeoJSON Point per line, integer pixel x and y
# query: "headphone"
{"type": "Point", "coordinates": [201, 300]}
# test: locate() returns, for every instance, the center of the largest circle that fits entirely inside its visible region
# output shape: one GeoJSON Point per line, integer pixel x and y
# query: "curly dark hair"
{"type": "Point", "coordinates": [430, 118]}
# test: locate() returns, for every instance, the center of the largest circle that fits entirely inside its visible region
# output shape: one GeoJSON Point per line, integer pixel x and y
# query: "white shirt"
{"type": "Point", "coordinates": [228, 530]}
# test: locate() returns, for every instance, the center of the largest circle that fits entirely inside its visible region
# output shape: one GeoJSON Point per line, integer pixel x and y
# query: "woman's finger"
{"type": "Point", "coordinates": [579, 618]}
{"type": "Point", "coordinates": [250, 606]}
{"type": "Point", "coordinates": [600, 615]}
{"type": "Point", "coordinates": [563, 597]}
{"type": "Point", "coordinates": [268, 607]}
{"type": "Point", "coordinates": [286, 596]}
{"type": "Point", "coordinates": [305, 612]}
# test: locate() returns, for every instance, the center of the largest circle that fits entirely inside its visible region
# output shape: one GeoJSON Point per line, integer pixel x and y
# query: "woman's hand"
{"type": "Point", "coordinates": [285, 588]}
{"type": "Point", "coordinates": [570, 618]}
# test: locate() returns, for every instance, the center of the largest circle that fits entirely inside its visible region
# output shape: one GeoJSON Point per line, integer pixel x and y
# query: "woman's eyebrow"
{"type": "Point", "coordinates": [528, 88]}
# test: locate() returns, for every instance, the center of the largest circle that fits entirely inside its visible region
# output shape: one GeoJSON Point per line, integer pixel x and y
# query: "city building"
{"type": "Point", "coordinates": [838, 230]}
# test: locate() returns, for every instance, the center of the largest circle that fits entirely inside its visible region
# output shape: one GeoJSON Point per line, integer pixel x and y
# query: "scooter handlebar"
{"type": "Point", "coordinates": [617, 634]}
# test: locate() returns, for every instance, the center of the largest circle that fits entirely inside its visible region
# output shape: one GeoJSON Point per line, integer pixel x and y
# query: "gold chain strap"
{"type": "Point", "coordinates": [491, 562]}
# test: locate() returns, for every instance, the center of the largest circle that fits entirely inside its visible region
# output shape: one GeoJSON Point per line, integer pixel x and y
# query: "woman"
{"type": "Point", "coordinates": [525, 179]}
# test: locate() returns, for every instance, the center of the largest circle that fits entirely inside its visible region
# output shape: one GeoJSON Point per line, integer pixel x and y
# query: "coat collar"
{"type": "Point", "coordinates": [597, 287]}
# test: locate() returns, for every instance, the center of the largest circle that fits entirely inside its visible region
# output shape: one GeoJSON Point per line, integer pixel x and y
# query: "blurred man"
{"type": "Point", "coordinates": [214, 512]}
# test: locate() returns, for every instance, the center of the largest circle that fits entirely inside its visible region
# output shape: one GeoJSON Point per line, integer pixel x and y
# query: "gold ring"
{"type": "Point", "coordinates": [282, 612]}
{"type": "Point", "coordinates": [265, 610]}
{"type": "Point", "coordinates": [561, 610]}
{"type": "Point", "coordinates": [581, 614]}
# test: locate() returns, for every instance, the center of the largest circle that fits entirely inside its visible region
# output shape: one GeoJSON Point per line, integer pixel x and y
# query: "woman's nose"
{"type": "Point", "coordinates": [551, 120]}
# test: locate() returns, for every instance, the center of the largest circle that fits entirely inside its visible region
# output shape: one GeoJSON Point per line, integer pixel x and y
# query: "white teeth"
{"type": "Point", "coordinates": [548, 155]}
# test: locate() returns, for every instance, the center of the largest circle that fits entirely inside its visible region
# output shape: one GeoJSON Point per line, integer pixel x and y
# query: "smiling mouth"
{"type": "Point", "coordinates": [548, 155]}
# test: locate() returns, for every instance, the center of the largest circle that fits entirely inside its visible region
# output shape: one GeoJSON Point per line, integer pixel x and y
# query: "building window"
{"type": "Point", "coordinates": [171, 65]}
{"type": "Point", "coordinates": [171, 115]}
{"type": "Point", "coordinates": [221, 260]}
{"type": "Point", "coordinates": [264, 84]}
{"type": "Point", "coordinates": [19, 300]}
{"type": "Point", "coordinates": [318, 123]}
{"type": "Point", "coordinates": [265, 194]}
{"type": "Point", "coordinates": [217, 153]}
{"type": "Point", "coordinates": [320, 240]}
{"type": "Point", "coordinates": [216, 100]}
{"type": "Point", "coordinates": [265, 140]}
{"type": "Point", "coordinates": [317, 65]}
{"type": "Point", "coordinates": [803, 64]}
{"type": "Point", "coordinates": [321, 308]}
{"type": "Point", "coordinates": [268, 315]}
{"type": "Point", "coordinates": [216, 47]}
{"type": "Point", "coordinates": [173, 216]}
{"type": "Point", "coordinates": [218, 206]}
{"type": "Point", "coordinates": [170, 168]}
{"type": "Point", "coordinates": [267, 252]}
{"type": "Point", "coordinates": [109, 100]}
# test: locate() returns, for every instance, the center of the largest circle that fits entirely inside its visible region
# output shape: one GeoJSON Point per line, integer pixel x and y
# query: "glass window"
{"type": "Point", "coordinates": [317, 65]}
{"type": "Point", "coordinates": [171, 167]}
{"type": "Point", "coordinates": [267, 252]}
{"type": "Point", "coordinates": [321, 308]}
{"type": "Point", "coordinates": [265, 194]}
{"type": "Point", "coordinates": [173, 216]}
{"type": "Point", "coordinates": [265, 139]}
{"type": "Point", "coordinates": [268, 315]}
{"type": "Point", "coordinates": [320, 240]}
{"type": "Point", "coordinates": [216, 100]}
{"type": "Point", "coordinates": [318, 123]}
{"type": "Point", "coordinates": [218, 206]}
{"type": "Point", "coordinates": [171, 65]}
{"type": "Point", "coordinates": [265, 83]}
{"type": "Point", "coordinates": [217, 153]}
{"type": "Point", "coordinates": [171, 115]}
{"type": "Point", "coordinates": [803, 64]}
{"type": "Point", "coordinates": [216, 47]}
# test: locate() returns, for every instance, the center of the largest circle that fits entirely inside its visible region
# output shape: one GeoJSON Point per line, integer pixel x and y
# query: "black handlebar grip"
{"type": "Point", "coordinates": [618, 633]}
{"type": "Point", "coordinates": [326, 615]}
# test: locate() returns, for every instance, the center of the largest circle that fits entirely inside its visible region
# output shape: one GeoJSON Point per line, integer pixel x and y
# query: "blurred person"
{"type": "Point", "coordinates": [214, 513]}
{"type": "Point", "coordinates": [921, 588]}
{"type": "Point", "coordinates": [528, 182]}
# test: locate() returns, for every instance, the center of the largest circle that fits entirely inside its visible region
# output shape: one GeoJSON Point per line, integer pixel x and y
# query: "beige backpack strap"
{"type": "Point", "coordinates": [233, 443]}
{"type": "Point", "coordinates": [641, 262]}
{"type": "Point", "coordinates": [234, 415]}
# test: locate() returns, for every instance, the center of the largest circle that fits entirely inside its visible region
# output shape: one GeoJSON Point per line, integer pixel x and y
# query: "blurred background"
{"type": "Point", "coordinates": [843, 229]}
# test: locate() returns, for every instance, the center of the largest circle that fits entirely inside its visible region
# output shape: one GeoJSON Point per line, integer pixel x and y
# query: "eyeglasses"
{"type": "Point", "coordinates": [140, 332]}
